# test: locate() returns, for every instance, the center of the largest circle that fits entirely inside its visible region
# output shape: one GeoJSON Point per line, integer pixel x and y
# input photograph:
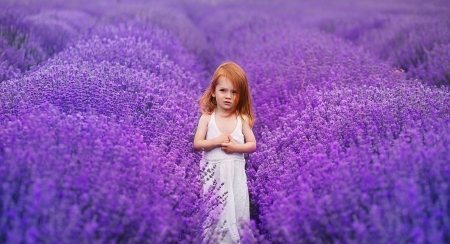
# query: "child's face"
{"type": "Point", "coordinates": [225, 94]}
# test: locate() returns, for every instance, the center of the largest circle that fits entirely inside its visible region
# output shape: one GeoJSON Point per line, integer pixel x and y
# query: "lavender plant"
{"type": "Point", "coordinates": [95, 139]}
{"type": "Point", "coordinates": [356, 132]}
{"type": "Point", "coordinates": [436, 67]}
{"type": "Point", "coordinates": [27, 41]}
{"type": "Point", "coordinates": [79, 178]}
{"type": "Point", "coordinates": [304, 135]}
{"type": "Point", "coordinates": [402, 39]}
{"type": "Point", "coordinates": [19, 50]}
{"type": "Point", "coordinates": [155, 38]}
{"type": "Point", "coordinates": [99, 81]}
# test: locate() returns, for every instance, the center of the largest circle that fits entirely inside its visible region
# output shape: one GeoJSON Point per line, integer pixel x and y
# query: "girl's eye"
{"type": "Point", "coordinates": [234, 92]}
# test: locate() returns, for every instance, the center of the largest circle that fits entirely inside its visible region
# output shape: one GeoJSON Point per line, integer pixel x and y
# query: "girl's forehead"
{"type": "Point", "coordinates": [224, 82]}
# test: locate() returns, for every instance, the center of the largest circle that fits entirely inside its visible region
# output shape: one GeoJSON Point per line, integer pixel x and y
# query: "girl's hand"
{"type": "Point", "coordinates": [223, 138]}
{"type": "Point", "coordinates": [229, 147]}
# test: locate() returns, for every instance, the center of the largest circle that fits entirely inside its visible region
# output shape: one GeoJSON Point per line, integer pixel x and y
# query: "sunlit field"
{"type": "Point", "coordinates": [99, 106]}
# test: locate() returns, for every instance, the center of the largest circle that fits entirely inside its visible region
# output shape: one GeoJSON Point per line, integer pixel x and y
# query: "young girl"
{"type": "Point", "coordinates": [224, 134]}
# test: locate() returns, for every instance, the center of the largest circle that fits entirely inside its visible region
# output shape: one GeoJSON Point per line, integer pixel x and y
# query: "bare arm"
{"type": "Point", "coordinates": [200, 143]}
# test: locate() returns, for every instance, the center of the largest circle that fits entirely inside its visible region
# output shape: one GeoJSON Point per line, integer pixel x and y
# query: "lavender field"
{"type": "Point", "coordinates": [98, 110]}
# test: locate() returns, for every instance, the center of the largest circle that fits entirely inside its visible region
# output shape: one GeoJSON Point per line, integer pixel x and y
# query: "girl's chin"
{"type": "Point", "coordinates": [227, 107]}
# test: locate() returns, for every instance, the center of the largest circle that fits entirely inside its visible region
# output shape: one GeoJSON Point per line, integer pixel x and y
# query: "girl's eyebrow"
{"type": "Point", "coordinates": [220, 87]}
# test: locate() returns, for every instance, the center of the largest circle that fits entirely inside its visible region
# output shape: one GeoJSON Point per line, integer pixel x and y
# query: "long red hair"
{"type": "Point", "coordinates": [243, 101]}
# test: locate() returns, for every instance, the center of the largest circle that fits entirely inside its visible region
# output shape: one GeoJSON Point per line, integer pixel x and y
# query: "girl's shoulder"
{"type": "Point", "coordinates": [244, 118]}
{"type": "Point", "coordinates": [205, 118]}
{"type": "Point", "coordinates": [247, 121]}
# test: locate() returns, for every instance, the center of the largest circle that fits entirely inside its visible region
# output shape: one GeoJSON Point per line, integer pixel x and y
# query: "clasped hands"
{"type": "Point", "coordinates": [227, 143]}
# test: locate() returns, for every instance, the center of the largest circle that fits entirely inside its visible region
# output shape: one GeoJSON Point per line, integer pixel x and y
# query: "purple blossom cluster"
{"type": "Point", "coordinates": [344, 142]}
{"type": "Point", "coordinates": [133, 83]}
{"type": "Point", "coordinates": [77, 178]}
{"type": "Point", "coordinates": [402, 38]}
{"type": "Point", "coordinates": [345, 157]}
{"type": "Point", "coordinates": [28, 39]}
{"type": "Point", "coordinates": [98, 108]}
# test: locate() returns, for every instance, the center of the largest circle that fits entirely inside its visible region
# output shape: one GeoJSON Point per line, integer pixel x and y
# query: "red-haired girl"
{"type": "Point", "coordinates": [224, 134]}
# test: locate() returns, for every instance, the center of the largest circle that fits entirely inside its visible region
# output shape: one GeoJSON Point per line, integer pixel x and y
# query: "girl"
{"type": "Point", "coordinates": [224, 134]}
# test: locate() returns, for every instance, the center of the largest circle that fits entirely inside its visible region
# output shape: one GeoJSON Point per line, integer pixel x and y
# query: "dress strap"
{"type": "Point", "coordinates": [239, 121]}
{"type": "Point", "coordinates": [213, 117]}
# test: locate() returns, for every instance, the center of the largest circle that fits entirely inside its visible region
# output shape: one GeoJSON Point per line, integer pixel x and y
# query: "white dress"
{"type": "Point", "coordinates": [230, 170]}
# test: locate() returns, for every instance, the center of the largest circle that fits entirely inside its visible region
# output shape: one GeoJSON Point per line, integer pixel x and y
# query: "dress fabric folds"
{"type": "Point", "coordinates": [227, 170]}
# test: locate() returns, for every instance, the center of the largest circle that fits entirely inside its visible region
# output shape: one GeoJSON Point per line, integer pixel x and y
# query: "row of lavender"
{"type": "Point", "coordinates": [348, 150]}
{"type": "Point", "coordinates": [95, 136]}
{"type": "Point", "coordinates": [419, 45]}
{"type": "Point", "coordinates": [413, 36]}
{"type": "Point", "coordinates": [100, 134]}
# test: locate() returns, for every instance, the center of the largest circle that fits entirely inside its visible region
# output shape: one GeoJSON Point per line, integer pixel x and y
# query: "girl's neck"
{"type": "Point", "coordinates": [223, 113]}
